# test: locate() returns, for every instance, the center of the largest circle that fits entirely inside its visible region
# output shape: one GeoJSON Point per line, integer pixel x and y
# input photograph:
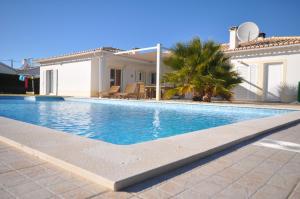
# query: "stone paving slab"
{"type": "Point", "coordinates": [244, 171]}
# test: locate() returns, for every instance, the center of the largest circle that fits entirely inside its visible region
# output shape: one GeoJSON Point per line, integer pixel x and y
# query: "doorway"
{"type": "Point", "coordinates": [49, 82]}
{"type": "Point", "coordinates": [115, 77]}
{"type": "Point", "coordinates": [273, 81]}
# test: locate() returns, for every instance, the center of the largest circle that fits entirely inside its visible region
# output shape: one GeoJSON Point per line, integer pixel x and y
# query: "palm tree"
{"type": "Point", "coordinates": [201, 69]}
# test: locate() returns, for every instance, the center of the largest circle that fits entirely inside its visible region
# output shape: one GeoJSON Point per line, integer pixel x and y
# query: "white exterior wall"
{"type": "Point", "coordinates": [254, 70]}
{"type": "Point", "coordinates": [293, 69]}
{"type": "Point", "coordinates": [129, 69]}
{"type": "Point", "coordinates": [82, 78]}
{"type": "Point", "coordinates": [43, 79]}
{"type": "Point", "coordinates": [95, 77]}
{"type": "Point", "coordinates": [129, 72]}
{"type": "Point", "coordinates": [73, 79]}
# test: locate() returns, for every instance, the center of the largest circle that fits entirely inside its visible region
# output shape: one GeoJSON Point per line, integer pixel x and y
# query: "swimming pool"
{"type": "Point", "coordinates": [125, 122]}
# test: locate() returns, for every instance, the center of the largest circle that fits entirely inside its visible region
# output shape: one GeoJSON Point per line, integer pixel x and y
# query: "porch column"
{"type": "Point", "coordinates": [102, 63]}
{"type": "Point", "coordinates": [158, 63]}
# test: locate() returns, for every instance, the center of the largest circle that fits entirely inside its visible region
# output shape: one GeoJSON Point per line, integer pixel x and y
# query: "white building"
{"type": "Point", "coordinates": [89, 72]}
{"type": "Point", "coordinates": [269, 65]}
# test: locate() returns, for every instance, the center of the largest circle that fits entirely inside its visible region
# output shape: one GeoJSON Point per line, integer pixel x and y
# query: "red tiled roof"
{"type": "Point", "coordinates": [260, 43]}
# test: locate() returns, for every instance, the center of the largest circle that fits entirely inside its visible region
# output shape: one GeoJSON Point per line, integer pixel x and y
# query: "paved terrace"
{"type": "Point", "coordinates": [248, 170]}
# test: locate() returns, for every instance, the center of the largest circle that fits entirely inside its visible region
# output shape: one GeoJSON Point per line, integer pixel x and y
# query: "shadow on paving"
{"type": "Point", "coordinates": [173, 173]}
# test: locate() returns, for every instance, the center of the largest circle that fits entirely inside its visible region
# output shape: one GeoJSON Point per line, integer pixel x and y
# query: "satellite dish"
{"type": "Point", "coordinates": [247, 31]}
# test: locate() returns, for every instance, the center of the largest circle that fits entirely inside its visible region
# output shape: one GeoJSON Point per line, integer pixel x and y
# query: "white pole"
{"type": "Point", "coordinates": [158, 62]}
{"type": "Point", "coordinates": [101, 72]}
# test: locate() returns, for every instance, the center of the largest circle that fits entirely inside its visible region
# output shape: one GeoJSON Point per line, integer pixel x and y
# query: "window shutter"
{"type": "Point", "coordinates": [44, 83]}
{"type": "Point", "coordinates": [55, 81]}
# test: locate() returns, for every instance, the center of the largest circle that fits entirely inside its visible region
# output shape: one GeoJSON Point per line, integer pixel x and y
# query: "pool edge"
{"type": "Point", "coordinates": [60, 163]}
{"type": "Point", "coordinates": [174, 165]}
{"type": "Point", "coordinates": [125, 181]}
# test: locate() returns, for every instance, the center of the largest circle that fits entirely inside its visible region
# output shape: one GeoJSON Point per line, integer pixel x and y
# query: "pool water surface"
{"type": "Point", "coordinates": [125, 122]}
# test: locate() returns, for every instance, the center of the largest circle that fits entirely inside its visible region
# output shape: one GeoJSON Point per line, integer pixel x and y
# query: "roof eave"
{"type": "Point", "coordinates": [88, 54]}
{"type": "Point", "coordinates": [233, 51]}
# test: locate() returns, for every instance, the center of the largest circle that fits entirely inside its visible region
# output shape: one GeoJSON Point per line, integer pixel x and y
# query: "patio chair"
{"type": "Point", "coordinates": [111, 92]}
{"type": "Point", "coordinates": [141, 91]}
{"type": "Point", "coordinates": [130, 91]}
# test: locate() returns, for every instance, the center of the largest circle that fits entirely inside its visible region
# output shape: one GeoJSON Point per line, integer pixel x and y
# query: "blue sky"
{"type": "Point", "coordinates": [40, 28]}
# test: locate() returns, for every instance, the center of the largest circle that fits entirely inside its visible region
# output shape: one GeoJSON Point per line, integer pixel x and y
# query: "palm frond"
{"type": "Point", "coordinates": [200, 67]}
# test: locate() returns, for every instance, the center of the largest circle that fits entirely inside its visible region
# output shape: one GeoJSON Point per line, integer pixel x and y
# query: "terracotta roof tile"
{"type": "Point", "coordinates": [260, 43]}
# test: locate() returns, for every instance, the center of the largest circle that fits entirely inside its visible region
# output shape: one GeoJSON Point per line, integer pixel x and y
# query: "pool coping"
{"type": "Point", "coordinates": [119, 166]}
{"type": "Point", "coordinates": [283, 106]}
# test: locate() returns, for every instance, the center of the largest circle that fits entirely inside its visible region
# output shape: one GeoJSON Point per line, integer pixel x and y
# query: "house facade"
{"type": "Point", "coordinates": [270, 67]}
{"type": "Point", "coordinates": [87, 73]}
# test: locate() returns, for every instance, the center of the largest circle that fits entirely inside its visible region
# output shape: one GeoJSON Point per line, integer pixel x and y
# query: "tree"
{"type": "Point", "coordinates": [201, 69]}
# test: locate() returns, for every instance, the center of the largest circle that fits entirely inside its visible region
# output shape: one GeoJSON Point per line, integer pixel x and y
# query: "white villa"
{"type": "Point", "coordinates": [90, 72]}
{"type": "Point", "coordinates": [266, 64]}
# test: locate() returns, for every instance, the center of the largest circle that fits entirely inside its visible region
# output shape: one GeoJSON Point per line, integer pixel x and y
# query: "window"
{"type": "Point", "coordinates": [115, 77]}
{"type": "Point", "coordinates": [140, 76]}
{"type": "Point", "coordinates": [152, 78]}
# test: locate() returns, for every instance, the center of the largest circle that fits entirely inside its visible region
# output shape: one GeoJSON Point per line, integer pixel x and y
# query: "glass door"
{"type": "Point", "coordinates": [115, 77]}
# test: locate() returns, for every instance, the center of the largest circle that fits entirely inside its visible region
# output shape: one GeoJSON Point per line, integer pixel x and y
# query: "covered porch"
{"type": "Point", "coordinates": [137, 66]}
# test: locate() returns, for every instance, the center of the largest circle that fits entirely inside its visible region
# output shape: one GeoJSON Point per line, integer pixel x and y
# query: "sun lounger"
{"type": "Point", "coordinates": [111, 92]}
{"type": "Point", "coordinates": [141, 91]}
{"type": "Point", "coordinates": [130, 91]}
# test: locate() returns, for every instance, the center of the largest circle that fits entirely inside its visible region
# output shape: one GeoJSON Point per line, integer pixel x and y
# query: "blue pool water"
{"type": "Point", "coordinates": [125, 122]}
